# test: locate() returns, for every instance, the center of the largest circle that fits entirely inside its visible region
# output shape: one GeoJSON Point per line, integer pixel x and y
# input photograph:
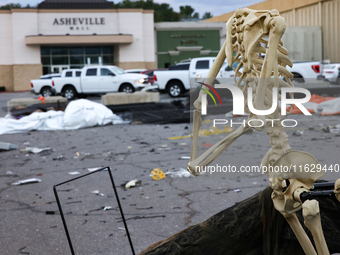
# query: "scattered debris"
{"type": "Point", "coordinates": [8, 146]}
{"type": "Point", "coordinates": [9, 173]}
{"type": "Point", "coordinates": [50, 212]}
{"type": "Point", "coordinates": [73, 173]}
{"type": "Point", "coordinates": [321, 138]}
{"type": "Point", "coordinates": [180, 173]}
{"type": "Point", "coordinates": [98, 193]}
{"type": "Point", "coordinates": [28, 181]}
{"type": "Point", "coordinates": [237, 190]}
{"type": "Point", "coordinates": [106, 208]}
{"type": "Point", "coordinates": [157, 174]}
{"type": "Point", "coordinates": [185, 157]}
{"type": "Point", "coordinates": [133, 183]}
{"type": "Point", "coordinates": [60, 157]}
{"type": "Point", "coordinates": [298, 133]}
{"type": "Point", "coordinates": [94, 169]}
{"type": "Point", "coordinates": [36, 150]}
{"type": "Point", "coordinates": [207, 144]}
{"type": "Point", "coordinates": [143, 217]}
{"type": "Point", "coordinates": [164, 149]}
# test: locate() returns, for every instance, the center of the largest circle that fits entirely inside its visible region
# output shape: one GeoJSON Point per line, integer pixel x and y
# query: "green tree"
{"type": "Point", "coordinates": [186, 11]}
{"type": "Point", "coordinates": [13, 6]}
{"type": "Point", "coordinates": [10, 6]}
{"type": "Point", "coordinates": [207, 15]}
{"type": "Point", "coordinates": [196, 15]}
{"type": "Point", "coordinates": [163, 12]}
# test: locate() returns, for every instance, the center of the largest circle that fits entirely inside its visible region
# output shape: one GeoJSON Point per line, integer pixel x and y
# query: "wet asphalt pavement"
{"type": "Point", "coordinates": [31, 223]}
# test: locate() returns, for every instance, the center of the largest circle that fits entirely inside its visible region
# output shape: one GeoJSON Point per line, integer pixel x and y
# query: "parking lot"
{"type": "Point", "coordinates": [155, 210]}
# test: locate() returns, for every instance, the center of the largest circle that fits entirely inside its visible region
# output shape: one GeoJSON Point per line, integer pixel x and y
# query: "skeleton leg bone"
{"type": "Point", "coordinates": [300, 234]}
{"type": "Point", "coordinates": [311, 214]}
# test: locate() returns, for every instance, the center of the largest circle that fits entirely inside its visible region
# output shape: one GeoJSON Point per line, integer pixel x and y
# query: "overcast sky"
{"type": "Point", "coordinates": [216, 7]}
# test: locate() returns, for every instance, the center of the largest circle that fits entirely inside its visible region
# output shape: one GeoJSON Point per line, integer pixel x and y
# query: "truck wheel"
{"type": "Point", "coordinates": [175, 89]}
{"type": "Point", "coordinates": [298, 78]}
{"type": "Point", "coordinates": [46, 92]}
{"type": "Point", "coordinates": [69, 92]}
{"type": "Point", "coordinates": [127, 88]}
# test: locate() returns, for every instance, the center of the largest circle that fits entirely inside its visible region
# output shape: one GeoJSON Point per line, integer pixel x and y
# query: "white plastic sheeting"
{"type": "Point", "coordinates": [330, 107]}
{"type": "Point", "coordinates": [80, 113]}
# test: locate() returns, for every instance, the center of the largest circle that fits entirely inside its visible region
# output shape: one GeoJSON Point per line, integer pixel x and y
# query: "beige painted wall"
{"type": "Point", "coordinates": [23, 74]}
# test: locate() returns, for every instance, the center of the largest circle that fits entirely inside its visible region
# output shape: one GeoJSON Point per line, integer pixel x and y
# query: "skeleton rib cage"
{"type": "Point", "coordinates": [245, 44]}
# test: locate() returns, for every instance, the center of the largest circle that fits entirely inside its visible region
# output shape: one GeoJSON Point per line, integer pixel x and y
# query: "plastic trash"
{"type": "Point", "coordinates": [182, 172]}
{"type": "Point", "coordinates": [157, 174]}
{"type": "Point", "coordinates": [98, 193]}
{"type": "Point", "coordinates": [185, 157]}
{"type": "Point", "coordinates": [133, 183]}
{"type": "Point", "coordinates": [106, 208]}
{"type": "Point", "coordinates": [36, 150]}
{"type": "Point", "coordinates": [298, 133]}
{"type": "Point", "coordinates": [8, 146]}
{"type": "Point", "coordinates": [28, 181]}
{"type": "Point", "coordinates": [92, 169]}
{"type": "Point", "coordinates": [73, 173]}
{"type": "Point", "coordinates": [9, 173]}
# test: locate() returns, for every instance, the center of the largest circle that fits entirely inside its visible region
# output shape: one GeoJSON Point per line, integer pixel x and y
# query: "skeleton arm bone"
{"type": "Point", "coordinates": [207, 157]}
{"type": "Point", "coordinates": [198, 103]}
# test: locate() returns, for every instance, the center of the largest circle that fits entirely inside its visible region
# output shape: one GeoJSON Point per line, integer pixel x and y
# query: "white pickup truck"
{"type": "Point", "coordinates": [43, 85]}
{"type": "Point", "coordinates": [98, 80]}
{"type": "Point", "coordinates": [304, 71]}
{"type": "Point", "coordinates": [176, 81]}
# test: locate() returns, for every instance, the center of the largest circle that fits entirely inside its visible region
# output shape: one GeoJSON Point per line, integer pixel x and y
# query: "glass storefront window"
{"type": "Point", "coordinates": [45, 51]}
{"type": "Point", "coordinates": [76, 60]}
{"type": "Point", "coordinates": [76, 50]}
{"type": "Point", "coordinates": [53, 58]}
{"type": "Point", "coordinates": [93, 50]}
{"type": "Point", "coordinates": [59, 60]}
{"type": "Point", "coordinates": [59, 51]}
{"type": "Point", "coordinates": [46, 60]}
{"type": "Point", "coordinates": [108, 60]}
{"type": "Point", "coordinates": [107, 50]}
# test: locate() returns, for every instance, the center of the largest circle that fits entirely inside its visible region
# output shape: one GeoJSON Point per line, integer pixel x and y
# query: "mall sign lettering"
{"type": "Point", "coordinates": [79, 21]}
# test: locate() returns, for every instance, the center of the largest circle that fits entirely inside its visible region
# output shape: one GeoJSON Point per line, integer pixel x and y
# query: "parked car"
{"type": "Point", "coordinates": [183, 76]}
{"type": "Point", "coordinates": [150, 73]}
{"type": "Point", "coordinates": [135, 70]}
{"type": "Point", "coordinates": [331, 73]}
{"type": "Point", "coordinates": [99, 80]}
{"type": "Point", "coordinates": [43, 85]}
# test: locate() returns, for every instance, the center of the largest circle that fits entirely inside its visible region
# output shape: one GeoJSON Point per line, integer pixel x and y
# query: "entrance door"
{"type": "Point", "coordinates": [58, 69]}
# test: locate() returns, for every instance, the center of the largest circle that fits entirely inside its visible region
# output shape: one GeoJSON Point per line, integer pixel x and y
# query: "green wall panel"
{"type": "Point", "coordinates": [170, 40]}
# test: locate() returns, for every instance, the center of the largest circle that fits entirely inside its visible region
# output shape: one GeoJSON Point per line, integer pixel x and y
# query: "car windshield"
{"type": "Point", "coordinates": [118, 70]}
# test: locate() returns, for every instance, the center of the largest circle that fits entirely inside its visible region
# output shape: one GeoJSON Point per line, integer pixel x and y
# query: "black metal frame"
{"type": "Point", "coordinates": [117, 198]}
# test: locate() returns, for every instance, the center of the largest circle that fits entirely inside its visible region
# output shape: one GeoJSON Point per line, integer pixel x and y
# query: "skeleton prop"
{"type": "Point", "coordinates": [246, 33]}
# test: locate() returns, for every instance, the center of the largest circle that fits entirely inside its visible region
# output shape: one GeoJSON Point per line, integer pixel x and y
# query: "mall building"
{"type": "Point", "coordinates": [59, 35]}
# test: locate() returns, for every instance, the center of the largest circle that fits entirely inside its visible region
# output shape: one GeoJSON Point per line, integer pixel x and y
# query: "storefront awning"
{"type": "Point", "coordinates": [77, 39]}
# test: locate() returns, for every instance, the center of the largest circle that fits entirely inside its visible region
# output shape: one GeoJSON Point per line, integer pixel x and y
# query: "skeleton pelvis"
{"type": "Point", "coordinates": [293, 170]}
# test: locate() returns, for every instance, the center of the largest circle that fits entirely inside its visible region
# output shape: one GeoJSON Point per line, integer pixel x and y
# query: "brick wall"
{"type": "Point", "coordinates": [23, 74]}
{"type": "Point", "coordinates": [6, 74]}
